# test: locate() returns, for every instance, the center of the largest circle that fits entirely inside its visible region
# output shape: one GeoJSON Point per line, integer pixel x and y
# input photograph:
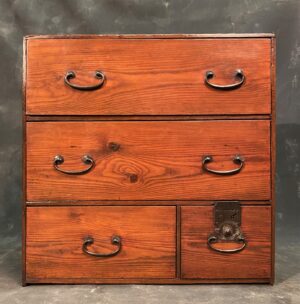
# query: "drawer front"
{"type": "Point", "coordinates": [148, 160]}
{"type": "Point", "coordinates": [55, 237]}
{"type": "Point", "coordinates": [148, 76]}
{"type": "Point", "coordinates": [253, 262]}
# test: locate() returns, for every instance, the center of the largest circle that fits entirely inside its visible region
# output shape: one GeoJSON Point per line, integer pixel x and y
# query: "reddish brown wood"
{"type": "Point", "coordinates": [165, 159]}
{"type": "Point", "coordinates": [178, 241]}
{"type": "Point", "coordinates": [55, 236]}
{"type": "Point", "coordinates": [273, 150]}
{"type": "Point", "coordinates": [147, 77]}
{"type": "Point", "coordinates": [154, 101]}
{"type": "Point", "coordinates": [198, 261]}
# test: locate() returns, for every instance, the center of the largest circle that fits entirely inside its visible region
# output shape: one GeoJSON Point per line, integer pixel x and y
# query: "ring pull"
{"type": "Point", "coordinates": [228, 219]}
{"type": "Point", "coordinates": [115, 240]}
{"type": "Point", "coordinates": [212, 240]}
{"type": "Point", "coordinates": [71, 75]}
{"type": "Point", "coordinates": [209, 75]}
{"type": "Point", "coordinates": [86, 159]}
{"type": "Point", "coordinates": [237, 160]}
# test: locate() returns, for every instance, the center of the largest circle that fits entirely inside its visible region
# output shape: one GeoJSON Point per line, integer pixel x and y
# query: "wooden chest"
{"type": "Point", "coordinates": [149, 159]}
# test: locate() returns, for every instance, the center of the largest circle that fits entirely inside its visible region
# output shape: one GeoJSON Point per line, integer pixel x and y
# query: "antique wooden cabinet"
{"type": "Point", "coordinates": [149, 159]}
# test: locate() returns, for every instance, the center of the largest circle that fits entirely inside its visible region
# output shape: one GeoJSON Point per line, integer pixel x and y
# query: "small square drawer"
{"type": "Point", "coordinates": [203, 256]}
{"type": "Point", "coordinates": [148, 76]}
{"type": "Point", "coordinates": [100, 242]}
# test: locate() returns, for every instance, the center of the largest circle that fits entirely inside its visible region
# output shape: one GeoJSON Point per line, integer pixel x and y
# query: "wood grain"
{"type": "Point", "coordinates": [159, 78]}
{"type": "Point", "coordinates": [198, 261]}
{"type": "Point", "coordinates": [147, 76]}
{"type": "Point", "coordinates": [156, 160]}
{"type": "Point", "coordinates": [55, 236]}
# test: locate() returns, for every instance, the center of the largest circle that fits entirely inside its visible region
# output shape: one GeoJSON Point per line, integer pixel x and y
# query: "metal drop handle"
{"type": "Point", "coordinates": [209, 75]}
{"type": "Point", "coordinates": [115, 240]}
{"type": "Point", "coordinates": [227, 227]}
{"type": "Point", "coordinates": [237, 159]}
{"type": "Point", "coordinates": [213, 240]}
{"type": "Point", "coordinates": [71, 75]}
{"type": "Point", "coordinates": [86, 159]}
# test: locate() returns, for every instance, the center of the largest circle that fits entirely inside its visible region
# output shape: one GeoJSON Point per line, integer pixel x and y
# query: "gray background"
{"type": "Point", "coordinates": [23, 17]}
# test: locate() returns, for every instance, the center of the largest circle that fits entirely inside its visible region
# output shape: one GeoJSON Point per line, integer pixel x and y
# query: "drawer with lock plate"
{"type": "Point", "coordinates": [234, 241]}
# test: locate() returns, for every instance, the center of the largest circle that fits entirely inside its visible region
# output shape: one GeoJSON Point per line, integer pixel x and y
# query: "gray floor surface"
{"type": "Point", "coordinates": [285, 291]}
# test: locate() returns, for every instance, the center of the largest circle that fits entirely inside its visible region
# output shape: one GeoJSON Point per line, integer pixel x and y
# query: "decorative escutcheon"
{"type": "Point", "coordinates": [115, 240]}
{"type": "Point", "coordinates": [227, 227]}
{"type": "Point", "coordinates": [86, 159]}
{"type": "Point", "coordinates": [71, 75]}
{"type": "Point", "coordinates": [237, 160]}
{"type": "Point", "coordinates": [209, 75]}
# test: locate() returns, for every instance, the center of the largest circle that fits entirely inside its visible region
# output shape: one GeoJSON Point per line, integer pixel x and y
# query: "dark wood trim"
{"type": "Point", "coordinates": [146, 281]}
{"type": "Point", "coordinates": [47, 118]}
{"type": "Point", "coordinates": [153, 36]}
{"type": "Point", "coordinates": [273, 150]}
{"type": "Point", "coordinates": [178, 242]}
{"type": "Point", "coordinates": [24, 164]}
{"type": "Point", "coordinates": [139, 203]}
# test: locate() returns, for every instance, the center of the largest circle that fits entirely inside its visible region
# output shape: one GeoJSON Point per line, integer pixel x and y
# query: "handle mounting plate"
{"type": "Point", "coordinates": [227, 222]}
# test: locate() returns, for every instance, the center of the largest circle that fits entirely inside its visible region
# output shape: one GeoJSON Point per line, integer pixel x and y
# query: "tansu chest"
{"type": "Point", "coordinates": [149, 159]}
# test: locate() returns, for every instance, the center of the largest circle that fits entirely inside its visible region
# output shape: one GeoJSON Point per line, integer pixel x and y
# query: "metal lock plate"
{"type": "Point", "coordinates": [227, 221]}
{"type": "Point", "coordinates": [227, 211]}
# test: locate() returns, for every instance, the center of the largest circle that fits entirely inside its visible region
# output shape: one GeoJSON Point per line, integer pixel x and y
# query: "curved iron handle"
{"type": "Point", "coordinates": [237, 159]}
{"type": "Point", "coordinates": [71, 75]}
{"type": "Point", "coordinates": [86, 159]}
{"type": "Point", "coordinates": [212, 240]}
{"type": "Point", "coordinates": [238, 74]}
{"type": "Point", "coordinates": [115, 240]}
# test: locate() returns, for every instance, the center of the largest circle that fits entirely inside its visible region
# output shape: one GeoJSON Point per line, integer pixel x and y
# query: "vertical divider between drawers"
{"type": "Point", "coordinates": [178, 241]}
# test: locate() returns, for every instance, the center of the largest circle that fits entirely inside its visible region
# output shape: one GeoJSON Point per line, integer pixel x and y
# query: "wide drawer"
{"type": "Point", "coordinates": [61, 242]}
{"type": "Point", "coordinates": [148, 76]}
{"type": "Point", "coordinates": [199, 261]}
{"type": "Point", "coordinates": [148, 160]}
